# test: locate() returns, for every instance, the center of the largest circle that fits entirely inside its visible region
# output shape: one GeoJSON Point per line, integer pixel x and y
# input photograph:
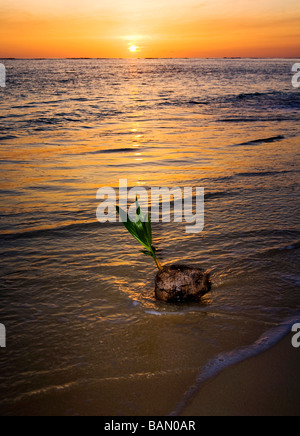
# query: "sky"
{"type": "Point", "coordinates": [151, 28]}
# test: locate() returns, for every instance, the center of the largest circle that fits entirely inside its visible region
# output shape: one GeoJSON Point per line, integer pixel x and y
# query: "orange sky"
{"type": "Point", "coordinates": [159, 28]}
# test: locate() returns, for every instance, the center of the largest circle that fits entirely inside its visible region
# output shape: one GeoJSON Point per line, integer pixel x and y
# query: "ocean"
{"type": "Point", "coordinates": [85, 334]}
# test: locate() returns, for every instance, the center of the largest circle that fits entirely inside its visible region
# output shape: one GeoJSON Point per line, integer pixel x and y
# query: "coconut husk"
{"type": "Point", "coordinates": [180, 283]}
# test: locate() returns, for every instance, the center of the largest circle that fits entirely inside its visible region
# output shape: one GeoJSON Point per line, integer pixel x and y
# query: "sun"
{"type": "Point", "coordinates": [133, 48]}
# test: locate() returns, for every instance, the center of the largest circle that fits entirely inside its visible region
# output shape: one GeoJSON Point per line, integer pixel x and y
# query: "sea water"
{"type": "Point", "coordinates": [84, 333]}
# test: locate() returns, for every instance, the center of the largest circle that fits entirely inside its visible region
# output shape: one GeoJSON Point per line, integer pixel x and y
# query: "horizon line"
{"type": "Point", "coordinates": [149, 58]}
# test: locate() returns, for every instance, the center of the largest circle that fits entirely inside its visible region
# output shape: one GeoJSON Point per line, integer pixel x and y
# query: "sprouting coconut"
{"type": "Point", "coordinates": [173, 283]}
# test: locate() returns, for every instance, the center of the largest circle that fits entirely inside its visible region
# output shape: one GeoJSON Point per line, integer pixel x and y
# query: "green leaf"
{"type": "Point", "coordinates": [135, 229]}
{"type": "Point", "coordinates": [140, 229]}
{"type": "Point", "coordinates": [148, 229]}
{"type": "Point", "coordinates": [139, 213]}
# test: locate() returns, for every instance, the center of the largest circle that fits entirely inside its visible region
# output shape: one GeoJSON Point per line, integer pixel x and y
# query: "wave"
{"type": "Point", "coordinates": [194, 102]}
{"type": "Point", "coordinates": [295, 246]}
{"type": "Point", "coordinates": [259, 100]}
{"type": "Point", "coordinates": [113, 150]}
{"type": "Point", "coordinates": [57, 231]}
{"type": "Point", "coordinates": [246, 96]}
{"type": "Point", "coordinates": [183, 102]}
{"type": "Point", "coordinates": [8, 192]}
{"type": "Point", "coordinates": [254, 174]}
{"type": "Point", "coordinates": [286, 248]}
{"type": "Point", "coordinates": [225, 360]}
{"type": "Point", "coordinates": [60, 230]}
{"type": "Point", "coordinates": [91, 224]}
{"type": "Point", "coordinates": [265, 173]}
{"type": "Point", "coordinates": [264, 233]}
{"type": "Point", "coordinates": [7, 137]}
{"type": "Point", "coordinates": [277, 99]}
{"type": "Point", "coordinates": [260, 119]}
{"type": "Point", "coordinates": [291, 278]}
{"type": "Point", "coordinates": [220, 194]}
{"type": "Point", "coordinates": [261, 141]}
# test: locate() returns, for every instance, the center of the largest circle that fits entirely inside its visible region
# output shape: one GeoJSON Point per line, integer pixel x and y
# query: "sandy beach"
{"type": "Point", "coordinates": [265, 385]}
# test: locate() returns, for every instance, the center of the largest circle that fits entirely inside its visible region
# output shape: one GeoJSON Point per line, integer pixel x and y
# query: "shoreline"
{"type": "Point", "coordinates": [263, 385]}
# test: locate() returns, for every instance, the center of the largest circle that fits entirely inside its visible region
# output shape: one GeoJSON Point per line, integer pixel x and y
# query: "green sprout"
{"type": "Point", "coordinates": [141, 230]}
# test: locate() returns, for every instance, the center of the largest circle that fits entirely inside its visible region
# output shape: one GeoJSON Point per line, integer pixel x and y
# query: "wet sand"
{"type": "Point", "coordinates": [265, 385]}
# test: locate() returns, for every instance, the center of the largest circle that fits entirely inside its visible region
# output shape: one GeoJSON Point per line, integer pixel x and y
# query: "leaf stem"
{"type": "Point", "coordinates": [158, 263]}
